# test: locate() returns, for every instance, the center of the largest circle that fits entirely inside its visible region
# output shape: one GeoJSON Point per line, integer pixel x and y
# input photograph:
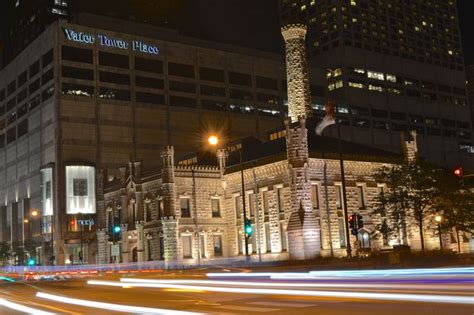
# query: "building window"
{"type": "Point", "coordinates": [342, 232]}
{"type": "Point", "coordinates": [216, 207]}
{"type": "Point", "coordinates": [114, 94]}
{"type": "Point", "coordinates": [237, 207]}
{"type": "Point", "coordinates": [182, 101]}
{"type": "Point", "coordinates": [240, 78]}
{"type": "Point", "coordinates": [252, 204]}
{"type": "Point", "coordinates": [180, 70]}
{"type": "Point", "coordinates": [315, 196]}
{"type": "Point", "coordinates": [77, 73]}
{"type": "Point", "coordinates": [116, 78]}
{"type": "Point", "coordinates": [148, 212]}
{"type": "Point", "coordinates": [161, 212]}
{"type": "Point", "coordinates": [360, 197]}
{"type": "Point", "coordinates": [77, 90]}
{"type": "Point", "coordinates": [338, 196]}
{"type": "Point", "coordinates": [217, 245]}
{"type": "Point", "coordinates": [150, 98]}
{"type": "Point", "coordinates": [185, 207]}
{"type": "Point", "coordinates": [149, 82]}
{"type": "Point", "coordinates": [76, 54]}
{"type": "Point", "coordinates": [375, 75]}
{"type": "Point", "coordinates": [283, 238]}
{"type": "Point", "coordinates": [113, 60]}
{"type": "Point", "coordinates": [187, 246]}
{"type": "Point", "coordinates": [267, 83]}
{"type": "Point", "coordinates": [212, 90]}
{"type": "Point", "coordinates": [265, 202]}
{"type": "Point", "coordinates": [364, 239]}
{"type": "Point", "coordinates": [268, 239]}
{"type": "Point", "coordinates": [148, 65]}
{"type": "Point", "coordinates": [281, 200]}
{"type": "Point", "coordinates": [211, 74]}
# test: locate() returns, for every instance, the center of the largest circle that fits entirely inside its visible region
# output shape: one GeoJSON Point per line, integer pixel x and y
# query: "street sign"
{"type": "Point", "coordinates": [115, 250]}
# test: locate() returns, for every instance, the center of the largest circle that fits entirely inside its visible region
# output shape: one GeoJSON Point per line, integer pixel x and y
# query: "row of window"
{"type": "Point", "coordinates": [27, 90]}
{"type": "Point", "coordinates": [156, 66]}
{"type": "Point", "coordinates": [32, 71]}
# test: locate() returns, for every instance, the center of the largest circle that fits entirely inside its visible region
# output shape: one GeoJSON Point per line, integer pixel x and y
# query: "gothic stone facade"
{"type": "Point", "coordinates": [191, 213]}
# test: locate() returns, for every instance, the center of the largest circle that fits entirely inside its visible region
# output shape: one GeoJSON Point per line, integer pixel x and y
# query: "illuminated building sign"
{"type": "Point", "coordinates": [108, 41]}
{"type": "Point", "coordinates": [86, 222]}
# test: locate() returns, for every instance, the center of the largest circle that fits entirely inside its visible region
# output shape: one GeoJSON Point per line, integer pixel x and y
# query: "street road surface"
{"type": "Point", "coordinates": [433, 291]}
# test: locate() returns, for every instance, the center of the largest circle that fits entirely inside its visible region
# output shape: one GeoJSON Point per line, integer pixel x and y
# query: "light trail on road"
{"type": "Point", "coordinates": [22, 308]}
{"type": "Point", "coordinates": [422, 272]}
{"type": "Point", "coordinates": [312, 293]}
{"type": "Point", "coordinates": [110, 306]}
{"type": "Point", "coordinates": [301, 285]}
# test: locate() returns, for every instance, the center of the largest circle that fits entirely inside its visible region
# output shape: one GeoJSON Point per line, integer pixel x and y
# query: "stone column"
{"type": "Point", "coordinates": [303, 230]}
{"type": "Point", "coordinates": [139, 225]}
{"type": "Point", "coordinates": [170, 239]}
{"type": "Point", "coordinates": [125, 247]}
{"type": "Point", "coordinates": [167, 173]}
{"type": "Point", "coordinates": [299, 95]}
{"type": "Point", "coordinates": [103, 248]}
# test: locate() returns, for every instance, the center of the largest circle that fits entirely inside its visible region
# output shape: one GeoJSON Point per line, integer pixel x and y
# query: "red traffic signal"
{"type": "Point", "coordinates": [458, 171]}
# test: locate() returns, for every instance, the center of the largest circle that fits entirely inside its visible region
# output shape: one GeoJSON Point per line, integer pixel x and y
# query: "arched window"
{"type": "Point", "coordinates": [364, 239]}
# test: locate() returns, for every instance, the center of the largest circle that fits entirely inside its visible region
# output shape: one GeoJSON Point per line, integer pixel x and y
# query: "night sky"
{"type": "Point", "coordinates": [254, 23]}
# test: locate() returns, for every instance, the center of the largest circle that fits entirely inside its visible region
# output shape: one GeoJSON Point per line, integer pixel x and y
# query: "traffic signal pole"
{"type": "Point", "coordinates": [247, 258]}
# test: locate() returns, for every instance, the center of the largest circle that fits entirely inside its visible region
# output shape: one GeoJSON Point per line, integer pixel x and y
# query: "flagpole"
{"type": "Point", "coordinates": [343, 182]}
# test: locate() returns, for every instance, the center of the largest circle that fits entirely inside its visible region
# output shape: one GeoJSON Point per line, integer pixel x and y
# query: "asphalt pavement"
{"type": "Point", "coordinates": [419, 292]}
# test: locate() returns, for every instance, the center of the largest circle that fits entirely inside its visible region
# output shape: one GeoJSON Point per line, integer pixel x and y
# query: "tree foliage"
{"type": "Point", "coordinates": [416, 192]}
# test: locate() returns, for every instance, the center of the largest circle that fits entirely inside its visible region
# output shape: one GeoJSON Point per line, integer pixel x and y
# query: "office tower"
{"type": "Point", "coordinates": [393, 66]}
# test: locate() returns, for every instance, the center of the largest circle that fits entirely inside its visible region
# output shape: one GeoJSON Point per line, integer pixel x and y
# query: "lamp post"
{"type": "Point", "coordinates": [343, 176]}
{"type": "Point", "coordinates": [213, 141]}
{"type": "Point", "coordinates": [438, 220]}
{"type": "Point", "coordinates": [29, 221]}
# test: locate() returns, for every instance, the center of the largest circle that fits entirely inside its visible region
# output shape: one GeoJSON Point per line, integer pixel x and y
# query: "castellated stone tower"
{"type": "Point", "coordinates": [299, 95]}
{"type": "Point", "coordinates": [303, 229]}
{"type": "Point", "coordinates": [170, 220]}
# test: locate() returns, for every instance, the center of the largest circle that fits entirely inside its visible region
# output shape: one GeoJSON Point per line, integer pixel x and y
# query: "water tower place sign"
{"type": "Point", "coordinates": [108, 41]}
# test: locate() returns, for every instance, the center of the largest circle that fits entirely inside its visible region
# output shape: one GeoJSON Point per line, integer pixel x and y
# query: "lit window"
{"type": "Point", "coordinates": [339, 84]}
{"type": "Point", "coordinates": [337, 72]}
{"type": "Point", "coordinates": [375, 88]}
{"type": "Point", "coordinates": [303, 7]}
{"type": "Point", "coordinates": [375, 75]}
{"type": "Point", "coordinates": [353, 3]}
{"type": "Point", "coordinates": [361, 71]}
{"type": "Point", "coordinates": [356, 85]}
{"type": "Point", "coordinates": [58, 11]}
{"type": "Point", "coordinates": [216, 207]}
{"type": "Point", "coordinates": [450, 52]}
{"type": "Point", "coordinates": [391, 78]}
{"type": "Point", "coordinates": [407, 82]}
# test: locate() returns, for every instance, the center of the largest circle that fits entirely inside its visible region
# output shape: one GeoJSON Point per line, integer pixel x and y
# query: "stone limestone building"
{"type": "Point", "coordinates": [193, 210]}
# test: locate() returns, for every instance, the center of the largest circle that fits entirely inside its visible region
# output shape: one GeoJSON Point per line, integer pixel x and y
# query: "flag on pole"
{"type": "Point", "coordinates": [329, 119]}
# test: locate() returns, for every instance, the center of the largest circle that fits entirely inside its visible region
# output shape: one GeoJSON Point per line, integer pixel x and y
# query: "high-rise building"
{"type": "Point", "coordinates": [393, 66]}
{"type": "Point", "coordinates": [24, 20]}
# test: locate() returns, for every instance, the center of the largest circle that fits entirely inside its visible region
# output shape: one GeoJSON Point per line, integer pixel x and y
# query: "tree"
{"type": "Point", "coordinates": [5, 252]}
{"type": "Point", "coordinates": [412, 195]}
{"type": "Point", "coordinates": [457, 208]}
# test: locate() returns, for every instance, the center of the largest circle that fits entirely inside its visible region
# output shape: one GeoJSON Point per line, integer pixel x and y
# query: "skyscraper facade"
{"type": "Point", "coordinates": [393, 66]}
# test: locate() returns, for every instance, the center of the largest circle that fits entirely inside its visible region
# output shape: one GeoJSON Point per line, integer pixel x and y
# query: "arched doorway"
{"type": "Point", "coordinates": [364, 239]}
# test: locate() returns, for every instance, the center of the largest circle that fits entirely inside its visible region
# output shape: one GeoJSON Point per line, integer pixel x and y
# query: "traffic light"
{"type": "Point", "coordinates": [360, 221]}
{"type": "Point", "coordinates": [352, 221]}
{"type": "Point", "coordinates": [248, 228]}
{"type": "Point", "coordinates": [458, 172]}
{"type": "Point", "coordinates": [31, 262]}
{"type": "Point", "coordinates": [353, 224]}
{"type": "Point", "coordinates": [116, 230]}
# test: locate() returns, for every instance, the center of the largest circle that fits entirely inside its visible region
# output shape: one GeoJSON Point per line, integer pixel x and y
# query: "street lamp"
{"type": "Point", "coordinates": [438, 220]}
{"type": "Point", "coordinates": [213, 141]}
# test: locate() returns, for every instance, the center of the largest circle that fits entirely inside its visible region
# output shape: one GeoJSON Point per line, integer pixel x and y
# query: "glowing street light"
{"type": "Point", "coordinates": [438, 218]}
{"type": "Point", "coordinates": [34, 213]}
{"type": "Point", "coordinates": [213, 140]}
